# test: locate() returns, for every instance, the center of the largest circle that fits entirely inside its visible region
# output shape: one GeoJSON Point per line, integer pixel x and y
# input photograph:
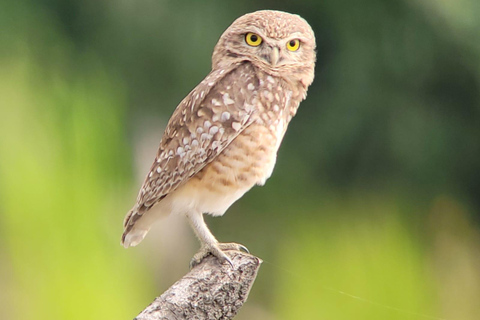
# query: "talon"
{"type": "Point", "coordinates": [244, 249]}
{"type": "Point", "coordinates": [229, 261]}
{"type": "Point", "coordinates": [217, 251]}
{"type": "Point", "coordinates": [233, 246]}
{"type": "Point", "coordinates": [222, 257]}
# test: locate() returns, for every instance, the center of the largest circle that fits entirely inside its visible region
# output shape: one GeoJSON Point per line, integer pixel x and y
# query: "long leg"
{"type": "Point", "coordinates": [209, 245]}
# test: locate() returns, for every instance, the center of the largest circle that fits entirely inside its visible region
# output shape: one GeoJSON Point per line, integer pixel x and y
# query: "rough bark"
{"type": "Point", "coordinates": [208, 291]}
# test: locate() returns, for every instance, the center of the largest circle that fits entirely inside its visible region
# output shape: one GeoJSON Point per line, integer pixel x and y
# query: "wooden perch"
{"type": "Point", "coordinates": [208, 291]}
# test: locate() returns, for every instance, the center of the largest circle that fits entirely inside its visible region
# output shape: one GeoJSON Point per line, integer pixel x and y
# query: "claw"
{"type": "Point", "coordinates": [229, 261]}
{"type": "Point", "coordinates": [233, 246]}
{"type": "Point", "coordinates": [244, 249]}
{"type": "Point", "coordinates": [217, 251]}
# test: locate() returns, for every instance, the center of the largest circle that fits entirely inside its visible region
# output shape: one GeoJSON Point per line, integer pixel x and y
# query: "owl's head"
{"type": "Point", "coordinates": [280, 43]}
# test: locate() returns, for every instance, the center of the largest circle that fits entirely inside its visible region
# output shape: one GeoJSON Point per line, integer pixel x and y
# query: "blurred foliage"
{"type": "Point", "coordinates": [372, 211]}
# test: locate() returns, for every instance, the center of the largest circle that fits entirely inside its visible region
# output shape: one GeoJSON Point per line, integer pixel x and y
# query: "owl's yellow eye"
{"type": "Point", "coordinates": [253, 39]}
{"type": "Point", "coordinates": [293, 45]}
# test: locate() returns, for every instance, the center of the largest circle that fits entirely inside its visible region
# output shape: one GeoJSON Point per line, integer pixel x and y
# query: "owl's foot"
{"type": "Point", "coordinates": [217, 251]}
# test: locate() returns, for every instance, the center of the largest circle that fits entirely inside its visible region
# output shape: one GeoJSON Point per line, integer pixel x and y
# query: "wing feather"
{"type": "Point", "coordinates": [211, 116]}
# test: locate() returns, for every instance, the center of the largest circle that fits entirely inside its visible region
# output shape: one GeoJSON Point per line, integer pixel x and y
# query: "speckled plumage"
{"type": "Point", "coordinates": [223, 137]}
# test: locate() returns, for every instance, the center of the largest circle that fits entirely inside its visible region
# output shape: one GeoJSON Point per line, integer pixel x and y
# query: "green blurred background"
{"type": "Point", "coordinates": [373, 209]}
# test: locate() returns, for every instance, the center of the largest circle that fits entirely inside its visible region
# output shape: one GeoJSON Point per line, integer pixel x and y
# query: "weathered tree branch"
{"type": "Point", "coordinates": [208, 291]}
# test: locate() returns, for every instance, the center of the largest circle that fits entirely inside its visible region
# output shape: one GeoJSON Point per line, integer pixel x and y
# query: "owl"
{"type": "Point", "coordinates": [223, 138]}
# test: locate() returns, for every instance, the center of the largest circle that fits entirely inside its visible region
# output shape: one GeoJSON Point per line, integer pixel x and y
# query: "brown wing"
{"type": "Point", "coordinates": [204, 123]}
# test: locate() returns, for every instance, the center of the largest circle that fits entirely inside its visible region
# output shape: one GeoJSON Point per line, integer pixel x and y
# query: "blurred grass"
{"type": "Point", "coordinates": [364, 250]}
{"type": "Point", "coordinates": [63, 166]}
{"type": "Point", "coordinates": [375, 193]}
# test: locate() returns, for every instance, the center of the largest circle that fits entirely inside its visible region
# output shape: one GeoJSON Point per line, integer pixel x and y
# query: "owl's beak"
{"type": "Point", "coordinates": [274, 56]}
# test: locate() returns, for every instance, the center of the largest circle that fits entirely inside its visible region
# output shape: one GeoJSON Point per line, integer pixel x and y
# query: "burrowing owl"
{"type": "Point", "coordinates": [223, 137]}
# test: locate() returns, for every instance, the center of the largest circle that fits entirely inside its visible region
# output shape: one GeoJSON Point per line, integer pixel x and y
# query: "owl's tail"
{"type": "Point", "coordinates": [133, 237]}
{"type": "Point", "coordinates": [132, 234]}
